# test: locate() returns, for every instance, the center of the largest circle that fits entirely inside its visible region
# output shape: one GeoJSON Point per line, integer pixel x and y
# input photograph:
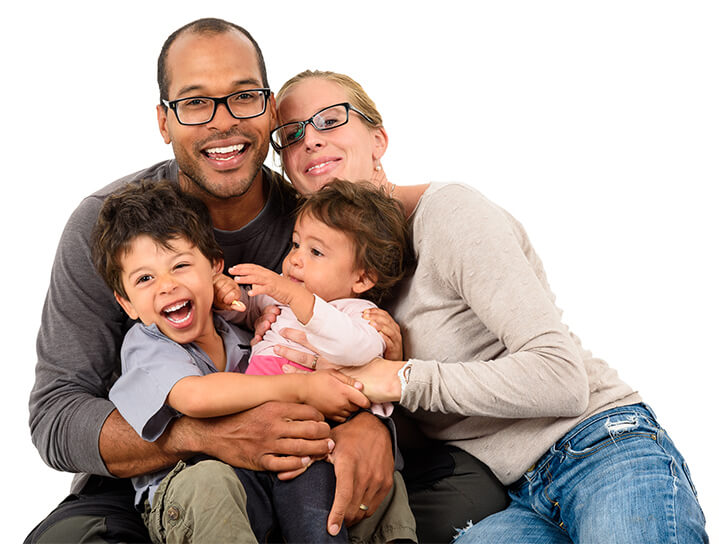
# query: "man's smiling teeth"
{"type": "Point", "coordinates": [320, 165]}
{"type": "Point", "coordinates": [224, 151]}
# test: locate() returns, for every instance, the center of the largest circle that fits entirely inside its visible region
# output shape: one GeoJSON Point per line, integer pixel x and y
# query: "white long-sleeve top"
{"type": "Point", "coordinates": [337, 329]}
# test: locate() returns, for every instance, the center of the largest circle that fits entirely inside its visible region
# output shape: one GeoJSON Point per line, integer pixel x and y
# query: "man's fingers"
{"type": "Point", "coordinates": [286, 464]}
{"type": "Point", "coordinates": [343, 496]}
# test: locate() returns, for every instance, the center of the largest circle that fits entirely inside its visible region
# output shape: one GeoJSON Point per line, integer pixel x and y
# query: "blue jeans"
{"type": "Point", "coordinates": [615, 478]}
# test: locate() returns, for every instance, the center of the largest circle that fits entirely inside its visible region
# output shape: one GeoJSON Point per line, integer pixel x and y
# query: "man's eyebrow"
{"type": "Point", "coordinates": [200, 90]}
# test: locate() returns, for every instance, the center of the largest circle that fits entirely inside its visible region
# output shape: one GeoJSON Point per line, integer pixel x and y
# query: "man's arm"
{"type": "Point", "coordinates": [274, 436]}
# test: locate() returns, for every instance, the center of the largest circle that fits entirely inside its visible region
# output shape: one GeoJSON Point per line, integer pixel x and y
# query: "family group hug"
{"type": "Point", "coordinates": [229, 353]}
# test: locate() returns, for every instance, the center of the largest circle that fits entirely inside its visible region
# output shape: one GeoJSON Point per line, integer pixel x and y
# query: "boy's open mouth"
{"type": "Point", "coordinates": [179, 312]}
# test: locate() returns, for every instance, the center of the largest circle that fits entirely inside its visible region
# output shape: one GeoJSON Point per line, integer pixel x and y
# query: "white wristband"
{"type": "Point", "coordinates": [403, 374]}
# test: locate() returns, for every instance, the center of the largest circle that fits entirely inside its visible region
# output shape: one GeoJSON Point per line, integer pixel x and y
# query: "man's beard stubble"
{"type": "Point", "coordinates": [194, 181]}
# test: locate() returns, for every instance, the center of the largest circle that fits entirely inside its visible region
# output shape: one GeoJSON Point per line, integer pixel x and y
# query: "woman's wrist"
{"type": "Point", "coordinates": [393, 384]}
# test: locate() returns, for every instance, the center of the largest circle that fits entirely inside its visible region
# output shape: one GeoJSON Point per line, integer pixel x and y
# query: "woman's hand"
{"type": "Point", "coordinates": [379, 378]}
{"type": "Point", "coordinates": [389, 329]}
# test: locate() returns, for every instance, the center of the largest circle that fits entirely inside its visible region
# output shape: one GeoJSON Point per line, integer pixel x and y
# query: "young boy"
{"type": "Point", "coordinates": [349, 247]}
{"type": "Point", "coordinates": [155, 248]}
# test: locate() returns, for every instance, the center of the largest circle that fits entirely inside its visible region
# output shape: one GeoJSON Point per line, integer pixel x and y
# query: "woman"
{"type": "Point", "coordinates": [493, 370]}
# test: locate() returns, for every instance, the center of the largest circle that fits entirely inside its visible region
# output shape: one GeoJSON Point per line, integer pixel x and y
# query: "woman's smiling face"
{"type": "Point", "coordinates": [346, 152]}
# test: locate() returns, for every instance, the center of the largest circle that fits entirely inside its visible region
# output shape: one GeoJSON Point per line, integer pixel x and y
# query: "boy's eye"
{"type": "Point", "coordinates": [181, 265]}
{"type": "Point", "coordinates": [316, 252]}
{"type": "Point", "coordinates": [295, 245]}
{"type": "Point", "coordinates": [143, 279]}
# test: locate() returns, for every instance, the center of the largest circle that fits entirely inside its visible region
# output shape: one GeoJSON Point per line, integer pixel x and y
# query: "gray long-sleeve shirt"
{"type": "Point", "coordinates": [82, 326]}
{"type": "Point", "coordinates": [495, 371]}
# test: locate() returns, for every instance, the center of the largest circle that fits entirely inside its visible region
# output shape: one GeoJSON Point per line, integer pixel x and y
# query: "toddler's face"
{"type": "Point", "coordinates": [323, 260]}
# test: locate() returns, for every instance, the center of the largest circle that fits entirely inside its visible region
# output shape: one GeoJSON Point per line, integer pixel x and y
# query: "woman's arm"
{"type": "Point", "coordinates": [479, 274]}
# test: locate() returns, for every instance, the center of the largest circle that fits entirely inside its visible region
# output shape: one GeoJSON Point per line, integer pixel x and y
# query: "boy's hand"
{"type": "Point", "coordinates": [335, 395]}
{"type": "Point", "coordinates": [389, 329]}
{"type": "Point", "coordinates": [228, 295]}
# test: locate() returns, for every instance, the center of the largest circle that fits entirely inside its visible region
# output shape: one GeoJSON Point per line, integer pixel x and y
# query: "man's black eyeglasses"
{"type": "Point", "coordinates": [198, 110]}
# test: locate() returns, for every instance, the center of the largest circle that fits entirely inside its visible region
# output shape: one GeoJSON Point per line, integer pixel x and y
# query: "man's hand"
{"type": "Point", "coordinates": [274, 436]}
{"type": "Point", "coordinates": [364, 465]}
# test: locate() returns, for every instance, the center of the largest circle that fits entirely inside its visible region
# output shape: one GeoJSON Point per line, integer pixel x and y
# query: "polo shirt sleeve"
{"type": "Point", "coordinates": [151, 365]}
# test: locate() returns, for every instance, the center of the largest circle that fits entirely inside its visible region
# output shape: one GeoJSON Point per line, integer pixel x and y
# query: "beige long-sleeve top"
{"type": "Point", "coordinates": [495, 372]}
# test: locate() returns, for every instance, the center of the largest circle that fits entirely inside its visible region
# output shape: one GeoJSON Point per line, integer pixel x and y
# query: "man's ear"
{"type": "Point", "coordinates": [364, 282]}
{"type": "Point", "coordinates": [272, 109]}
{"type": "Point", "coordinates": [126, 305]}
{"type": "Point", "coordinates": [162, 112]}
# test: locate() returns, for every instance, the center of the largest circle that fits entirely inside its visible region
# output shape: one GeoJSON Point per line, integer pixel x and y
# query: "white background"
{"type": "Point", "coordinates": [595, 123]}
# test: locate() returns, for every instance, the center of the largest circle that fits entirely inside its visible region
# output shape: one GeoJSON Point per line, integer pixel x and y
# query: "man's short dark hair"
{"type": "Point", "coordinates": [203, 26]}
{"type": "Point", "coordinates": [376, 224]}
{"type": "Point", "coordinates": [157, 209]}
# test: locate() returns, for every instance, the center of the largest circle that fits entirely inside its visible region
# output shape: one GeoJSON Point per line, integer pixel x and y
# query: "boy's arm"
{"type": "Point", "coordinates": [223, 393]}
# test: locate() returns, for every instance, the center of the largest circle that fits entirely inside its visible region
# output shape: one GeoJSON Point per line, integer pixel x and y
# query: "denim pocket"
{"type": "Point", "coordinates": [609, 430]}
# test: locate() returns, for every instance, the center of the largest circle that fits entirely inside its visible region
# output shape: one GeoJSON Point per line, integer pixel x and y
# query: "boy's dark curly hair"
{"type": "Point", "coordinates": [158, 209]}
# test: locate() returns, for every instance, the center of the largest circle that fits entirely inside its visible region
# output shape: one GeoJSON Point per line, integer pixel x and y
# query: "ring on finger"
{"type": "Point", "coordinates": [313, 365]}
{"type": "Point", "coordinates": [363, 507]}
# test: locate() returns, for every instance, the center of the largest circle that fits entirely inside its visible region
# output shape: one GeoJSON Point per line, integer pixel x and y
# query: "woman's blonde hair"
{"type": "Point", "coordinates": [356, 95]}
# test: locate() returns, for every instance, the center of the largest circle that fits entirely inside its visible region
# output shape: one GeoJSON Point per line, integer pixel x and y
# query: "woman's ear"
{"type": "Point", "coordinates": [379, 142]}
{"type": "Point", "coordinates": [126, 305]}
{"type": "Point", "coordinates": [364, 282]}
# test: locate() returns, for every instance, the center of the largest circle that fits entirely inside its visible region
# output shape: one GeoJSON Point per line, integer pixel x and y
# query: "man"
{"type": "Point", "coordinates": [218, 157]}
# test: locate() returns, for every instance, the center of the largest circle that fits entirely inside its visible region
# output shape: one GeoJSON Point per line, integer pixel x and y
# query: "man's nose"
{"type": "Point", "coordinates": [223, 119]}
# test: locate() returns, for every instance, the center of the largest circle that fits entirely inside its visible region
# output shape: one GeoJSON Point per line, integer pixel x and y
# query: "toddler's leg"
{"type": "Point", "coordinates": [302, 505]}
